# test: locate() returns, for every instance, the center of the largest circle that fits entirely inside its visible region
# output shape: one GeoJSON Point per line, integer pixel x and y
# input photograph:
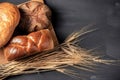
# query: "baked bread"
{"type": "Point", "coordinates": [21, 46]}
{"type": "Point", "coordinates": [34, 16]}
{"type": "Point", "coordinates": [9, 19]}
{"type": "Point", "coordinates": [34, 37]}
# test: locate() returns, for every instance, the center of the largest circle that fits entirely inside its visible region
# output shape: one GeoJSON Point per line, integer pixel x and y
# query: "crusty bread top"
{"type": "Point", "coordinates": [9, 19]}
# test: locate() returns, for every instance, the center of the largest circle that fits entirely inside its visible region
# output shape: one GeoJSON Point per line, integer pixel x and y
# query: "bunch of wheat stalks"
{"type": "Point", "coordinates": [62, 56]}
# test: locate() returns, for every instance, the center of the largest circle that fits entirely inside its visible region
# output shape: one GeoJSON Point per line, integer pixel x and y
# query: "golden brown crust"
{"type": "Point", "coordinates": [21, 46]}
{"type": "Point", "coordinates": [9, 19]}
{"type": "Point", "coordinates": [22, 50]}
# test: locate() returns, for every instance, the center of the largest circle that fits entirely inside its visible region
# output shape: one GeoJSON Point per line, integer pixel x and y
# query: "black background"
{"type": "Point", "coordinates": [72, 15]}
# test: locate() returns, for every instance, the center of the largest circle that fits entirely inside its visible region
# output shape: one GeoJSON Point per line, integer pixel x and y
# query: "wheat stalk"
{"type": "Point", "coordinates": [62, 56]}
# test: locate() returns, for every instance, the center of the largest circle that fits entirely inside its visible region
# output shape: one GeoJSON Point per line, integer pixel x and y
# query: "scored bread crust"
{"type": "Point", "coordinates": [21, 46]}
{"type": "Point", "coordinates": [51, 29]}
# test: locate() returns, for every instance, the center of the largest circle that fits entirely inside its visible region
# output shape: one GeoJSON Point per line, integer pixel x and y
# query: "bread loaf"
{"type": "Point", "coordinates": [9, 19]}
{"type": "Point", "coordinates": [34, 16]}
{"type": "Point", "coordinates": [21, 46]}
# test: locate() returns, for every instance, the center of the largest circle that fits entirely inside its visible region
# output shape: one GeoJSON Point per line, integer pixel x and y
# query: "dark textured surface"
{"type": "Point", "coordinates": [71, 15]}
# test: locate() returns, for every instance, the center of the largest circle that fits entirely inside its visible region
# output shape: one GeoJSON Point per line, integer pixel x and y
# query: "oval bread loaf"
{"type": "Point", "coordinates": [25, 45]}
{"type": "Point", "coordinates": [9, 19]}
